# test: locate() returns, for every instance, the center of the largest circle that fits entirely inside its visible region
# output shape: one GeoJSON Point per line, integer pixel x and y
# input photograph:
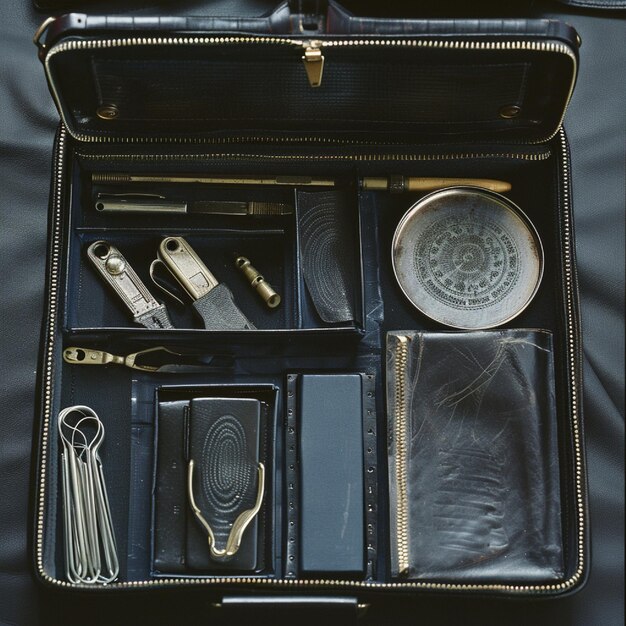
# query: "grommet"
{"type": "Point", "coordinates": [107, 112]}
{"type": "Point", "coordinates": [509, 111]}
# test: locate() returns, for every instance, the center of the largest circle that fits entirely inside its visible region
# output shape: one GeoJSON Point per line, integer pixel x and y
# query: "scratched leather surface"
{"type": "Point", "coordinates": [481, 471]}
{"type": "Point", "coordinates": [595, 125]}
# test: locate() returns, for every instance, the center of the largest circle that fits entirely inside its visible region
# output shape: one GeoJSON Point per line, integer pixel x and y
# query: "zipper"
{"type": "Point", "coordinates": [401, 449]}
{"type": "Point", "coordinates": [574, 376]}
{"type": "Point", "coordinates": [240, 156]}
{"type": "Point", "coordinates": [312, 58]}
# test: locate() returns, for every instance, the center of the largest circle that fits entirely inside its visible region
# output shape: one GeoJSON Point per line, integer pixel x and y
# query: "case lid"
{"type": "Point", "coordinates": [168, 79]}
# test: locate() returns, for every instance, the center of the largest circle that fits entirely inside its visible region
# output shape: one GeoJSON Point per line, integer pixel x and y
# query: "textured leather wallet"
{"type": "Point", "coordinates": [327, 253]}
{"type": "Point", "coordinates": [473, 457]}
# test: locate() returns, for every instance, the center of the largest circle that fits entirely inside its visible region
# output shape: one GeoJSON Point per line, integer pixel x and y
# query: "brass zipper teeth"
{"type": "Point", "coordinates": [240, 156]}
{"type": "Point", "coordinates": [455, 44]}
{"type": "Point", "coordinates": [572, 340]}
{"type": "Point", "coordinates": [278, 583]}
{"type": "Point", "coordinates": [48, 365]}
{"type": "Point", "coordinates": [401, 449]}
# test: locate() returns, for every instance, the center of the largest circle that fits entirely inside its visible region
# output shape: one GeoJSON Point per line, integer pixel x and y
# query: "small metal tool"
{"type": "Point", "coordinates": [118, 273]}
{"type": "Point", "coordinates": [90, 546]}
{"type": "Point", "coordinates": [175, 363]}
{"type": "Point", "coordinates": [291, 181]}
{"type": "Point", "coordinates": [262, 287]}
{"type": "Point", "coordinates": [148, 203]}
{"type": "Point", "coordinates": [89, 356]}
{"type": "Point", "coordinates": [213, 301]}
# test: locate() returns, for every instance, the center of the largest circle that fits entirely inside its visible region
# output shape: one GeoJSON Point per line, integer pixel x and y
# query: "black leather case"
{"type": "Point", "coordinates": [220, 96]}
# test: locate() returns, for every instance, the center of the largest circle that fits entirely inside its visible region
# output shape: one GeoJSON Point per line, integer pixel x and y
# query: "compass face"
{"type": "Point", "coordinates": [467, 258]}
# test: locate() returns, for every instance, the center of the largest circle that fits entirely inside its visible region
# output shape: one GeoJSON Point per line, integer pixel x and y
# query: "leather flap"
{"type": "Point", "coordinates": [379, 80]}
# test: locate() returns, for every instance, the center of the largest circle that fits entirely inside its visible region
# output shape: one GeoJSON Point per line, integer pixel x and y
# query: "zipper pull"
{"type": "Point", "coordinates": [313, 60]}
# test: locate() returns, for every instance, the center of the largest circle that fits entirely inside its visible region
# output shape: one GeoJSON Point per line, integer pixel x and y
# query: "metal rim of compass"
{"type": "Point", "coordinates": [433, 308]}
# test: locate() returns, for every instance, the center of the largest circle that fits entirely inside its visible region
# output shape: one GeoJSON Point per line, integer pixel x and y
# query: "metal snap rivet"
{"type": "Point", "coordinates": [107, 112]}
{"type": "Point", "coordinates": [115, 265]}
{"type": "Point", "coordinates": [510, 110]}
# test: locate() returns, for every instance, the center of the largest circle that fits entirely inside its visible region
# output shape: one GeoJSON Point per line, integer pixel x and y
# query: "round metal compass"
{"type": "Point", "coordinates": [467, 257]}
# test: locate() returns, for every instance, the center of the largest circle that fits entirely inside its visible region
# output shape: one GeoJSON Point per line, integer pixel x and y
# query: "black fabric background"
{"type": "Point", "coordinates": [596, 125]}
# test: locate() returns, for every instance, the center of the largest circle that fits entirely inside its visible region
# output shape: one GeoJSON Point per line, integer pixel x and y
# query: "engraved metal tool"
{"type": "Point", "coordinates": [258, 283]}
{"type": "Point", "coordinates": [467, 257]}
{"type": "Point", "coordinates": [118, 273]}
{"type": "Point", "coordinates": [213, 301]}
{"type": "Point", "coordinates": [149, 203]}
{"type": "Point", "coordinates": [90, 356]}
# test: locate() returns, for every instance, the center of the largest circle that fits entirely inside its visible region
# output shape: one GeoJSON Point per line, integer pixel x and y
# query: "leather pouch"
{"type": "Point", "coordinates": [474, 486]}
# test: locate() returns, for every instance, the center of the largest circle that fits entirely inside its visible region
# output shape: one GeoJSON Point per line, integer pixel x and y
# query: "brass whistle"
{"type": "Point", "coordinates": [263, 288]}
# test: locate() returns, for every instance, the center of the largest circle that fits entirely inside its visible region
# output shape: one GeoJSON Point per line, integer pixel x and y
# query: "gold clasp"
{"type": "Point", "coordinates": [313, 62]}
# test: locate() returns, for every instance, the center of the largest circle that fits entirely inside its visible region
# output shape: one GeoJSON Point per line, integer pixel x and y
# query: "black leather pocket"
{"type": "Point", "coordinates": [474, 471]}
{"type": "Point", "coordinates": [197, 508]}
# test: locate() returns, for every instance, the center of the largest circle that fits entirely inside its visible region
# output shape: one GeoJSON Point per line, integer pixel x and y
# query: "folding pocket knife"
{"type": "Point", "coordinates": [211, 299]}
{"type": "Point", "coordinates": [119, 274]}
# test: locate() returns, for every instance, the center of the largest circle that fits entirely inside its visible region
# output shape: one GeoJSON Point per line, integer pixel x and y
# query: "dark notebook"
{"type": "Point", "coordinates": [473, 456]}
{"type": "Point", "coordinates": [331, 473]}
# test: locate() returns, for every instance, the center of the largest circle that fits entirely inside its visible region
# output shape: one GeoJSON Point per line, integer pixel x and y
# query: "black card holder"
{"type": "Point", "coordinates": [473, 471]}
{"type": "Point", "coordinates": [226, 440]}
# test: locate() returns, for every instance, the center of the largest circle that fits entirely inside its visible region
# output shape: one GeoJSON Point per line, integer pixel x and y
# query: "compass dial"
{"type": "Point", "coordinates": [467, 258]}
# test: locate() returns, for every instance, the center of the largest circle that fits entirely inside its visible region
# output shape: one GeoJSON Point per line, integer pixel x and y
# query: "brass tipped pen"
{"type": "Point", "coordinates": [401, 184]}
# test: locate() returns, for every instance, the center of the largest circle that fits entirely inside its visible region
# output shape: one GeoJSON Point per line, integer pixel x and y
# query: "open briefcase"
{"type": "Point", "coordinates": [370, 378]}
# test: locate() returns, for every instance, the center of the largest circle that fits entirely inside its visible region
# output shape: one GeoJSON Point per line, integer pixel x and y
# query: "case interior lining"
{"type": "Point", "coordinates": [108, 390]}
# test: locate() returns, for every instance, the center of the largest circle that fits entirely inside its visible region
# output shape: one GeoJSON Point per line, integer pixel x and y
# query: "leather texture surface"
{"type": "Point", "coordinates": [477, 419]}
{"type": "Point", "coordinates": [199, 88]}
{"type": "Point", "coordinates": [223, 441]}
{"type": "Point", "coordinates": [595, 123]}
{"type": "Point", "coordinates": [327, 253]}
{"type": "Point", "coordinates": [219, 311]}
{"type": "Point", "coordinates": [170, 512]}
